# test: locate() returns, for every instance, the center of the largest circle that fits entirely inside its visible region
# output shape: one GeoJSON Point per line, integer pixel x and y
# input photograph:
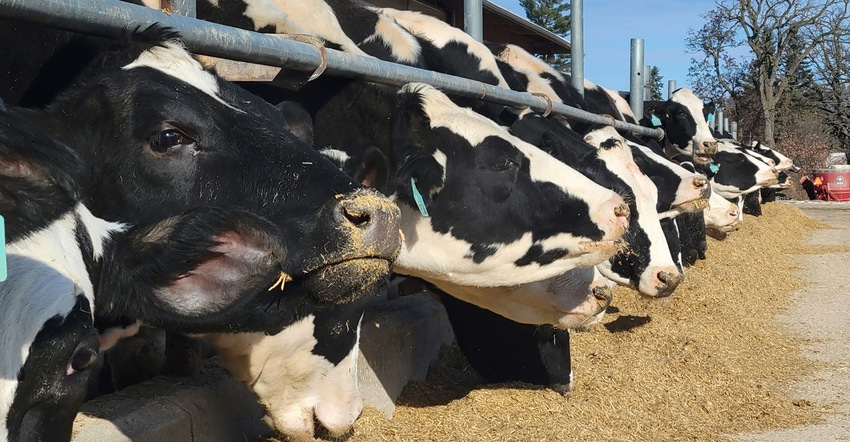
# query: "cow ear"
{"type": "Point", "coordinates": [298, 119]}
{"type": "Point", "coordinates": [373, 169]}
{"type": "Point", "coordinates": [205, 261]}
{"type": "Point", "coordinates": [418, 181]}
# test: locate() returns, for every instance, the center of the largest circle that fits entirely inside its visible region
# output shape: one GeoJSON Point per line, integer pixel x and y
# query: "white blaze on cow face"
{"type": "Point", "coordinates": [568, 301]}
{"type": "Point", "coordinates": [436, 256]}
{"type": "Point", "coordinates": [172, 59]}
{"type": "Point", "coordinates": [292, 382]}
{"type": "Point", "coordinates": [440, 34]}
{"type": "Point", "coordinates": [661, 275]}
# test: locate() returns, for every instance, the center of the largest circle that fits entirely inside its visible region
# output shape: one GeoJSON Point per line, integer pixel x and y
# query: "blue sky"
{"type": "Point", "coordinates": [609, 26]}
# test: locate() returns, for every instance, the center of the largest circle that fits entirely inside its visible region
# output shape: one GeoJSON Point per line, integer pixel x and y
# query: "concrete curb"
{"type": "Point", "coordinates": [399, 339]}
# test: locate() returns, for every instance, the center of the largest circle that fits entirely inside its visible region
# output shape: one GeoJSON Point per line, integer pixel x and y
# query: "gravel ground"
{"type": "Point", "coordinates": [820, 314]}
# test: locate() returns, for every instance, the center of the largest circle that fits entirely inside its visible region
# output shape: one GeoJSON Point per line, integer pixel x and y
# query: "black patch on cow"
{"type": "Point", "coordinates": [501, 350]}
{"type": "Point", "coordinates": [752, 205]}
{"type": "Point", "coordinates": [480, 252]}
{"type": "Point", "coordinates": [664, 178]}
{"type": "Point", "coordinates": [735, 170]}
{"type": "Point", "coordinates": [230, 13]}
{"type": "Point", "coordinates": [536, 254]}
{"type": "Point", "coordinates": [357, 22]}
{"type": "Point", "coordinates": [47, 399]}
{"type": "Point", "coordinates": [677, 121]}
{"type": "Point", "coordinates": [335, 327]}
{"type": "Point", "coordinates": [671, 234]}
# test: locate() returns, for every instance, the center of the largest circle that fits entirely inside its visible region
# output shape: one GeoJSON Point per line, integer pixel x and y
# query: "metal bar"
{"type": "Point", "coordinates": [188, 8]}
{"type": "Point", "coordinates": [733, 129]}
{"type": "Point", "coordinates": [635, 75]}
{"type": "Point", "coordinates": [671, 86]}
{"type": "Point", "coordinates": [473, 18]}
{"type": "Point", "coordinates": [115, 19]}
{"type": "Point", "coordinates": [577, 45]}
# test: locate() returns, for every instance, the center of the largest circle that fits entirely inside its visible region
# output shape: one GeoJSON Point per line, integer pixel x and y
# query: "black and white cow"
{"type": "Point", "coordinates": [162, 136]}
{"type": "Point", "coordinates": [721, 217]}
{"type": "Point", "coordinates": [49, 346]}
{"type": "Point", "coordinates": [735, 172]}
{"type": "Point", "coordinates": [683, 121]}
{"type": "Point", "coordinates": [499, 211]}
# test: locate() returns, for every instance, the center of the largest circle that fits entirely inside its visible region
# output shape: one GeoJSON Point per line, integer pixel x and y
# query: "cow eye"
{"type": "Point", "coordinates": [82, 361]}
{"type": "Point", "coordinates": [505, 164]}
{"type": "Point", "coordinates": [167, 139]}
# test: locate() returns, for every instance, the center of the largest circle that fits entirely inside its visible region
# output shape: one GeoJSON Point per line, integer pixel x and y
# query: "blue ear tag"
{"type": "Point", "coordinates": [656, 122]}
{"type": "Point", "coordinates": [2, 249]}
{"type": "Point", "coordinates": [420, 202]}
{"type": "Point", "coordinates": [710, 118]}
{"type": "Point", "coordinates": [713, 167]}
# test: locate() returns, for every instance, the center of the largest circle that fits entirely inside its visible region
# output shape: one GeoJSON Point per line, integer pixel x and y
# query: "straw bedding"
{"type": "Point", "coordinates": [709, 362]}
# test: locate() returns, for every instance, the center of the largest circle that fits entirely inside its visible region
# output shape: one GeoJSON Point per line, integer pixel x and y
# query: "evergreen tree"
{"type": "Point", "coordinates": [655, 85]}
{"type": "Point", "coordinates": [552, 15]}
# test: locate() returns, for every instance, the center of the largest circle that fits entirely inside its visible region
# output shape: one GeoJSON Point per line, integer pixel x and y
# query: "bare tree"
{"type": "Point", "coordinates": [831, 66]}
{"type": "Point", "coordinates": [780, 34]}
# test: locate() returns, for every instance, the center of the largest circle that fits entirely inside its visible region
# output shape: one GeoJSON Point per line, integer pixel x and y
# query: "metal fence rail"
{"type": "Point", "coordinates": [109, 18]}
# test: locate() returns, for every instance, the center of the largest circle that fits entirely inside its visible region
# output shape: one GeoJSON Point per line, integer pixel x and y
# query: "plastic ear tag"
{"type": "Point", "coordinates": [2, 249]}
{"type": "Point", "coordinates": [713, 167]}
{"type": "Point", "coordinates": [709, 118]}
{"type": "Point", "coordinates": [656, 122]}
{"type": "Point", "coordinates": [420, 202]}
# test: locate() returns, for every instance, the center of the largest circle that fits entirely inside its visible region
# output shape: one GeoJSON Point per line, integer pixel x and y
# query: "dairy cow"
{"type": "Point", "coordinates": [686, 131]}
{"type": "Point", "coordinates": [49, 345]}
{"type": "Point", "coordinates": [734, 172]}
{"type": "Point", "coordinates": [721, 217]}
{"type": "Point", "coordinates": [147, 110]}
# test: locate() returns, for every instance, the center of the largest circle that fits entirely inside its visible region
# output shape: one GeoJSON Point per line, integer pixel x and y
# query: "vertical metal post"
{"type": "Point", "coordinates": [725, 124]}
{"type": "Point", "coordinates": [718, 120]}
{"type": "Point", "coordinates": [733, 129]}
{"type": "Point", "coordinates": [473, 21]}
{"type": "Point", "coordinates": [647, 92]}
{"type": "Point", "coordinates": [671, 86]}
{"type": "Point", "coordinates": [577, 45]}
{"type": "Point", "coordinates": [636, 76]}
{"type": "Point", "coordinates": [186, 8]}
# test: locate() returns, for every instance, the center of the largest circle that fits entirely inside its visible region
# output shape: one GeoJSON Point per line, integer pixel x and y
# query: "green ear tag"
{"type": "Point", "coordinates": [420, 202]}
{"type": "Point", "coordinates": [3, 249]}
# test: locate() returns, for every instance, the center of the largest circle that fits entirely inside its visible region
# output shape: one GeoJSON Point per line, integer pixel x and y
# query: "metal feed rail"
{"type": "Point", "coordinates": [114, 19]}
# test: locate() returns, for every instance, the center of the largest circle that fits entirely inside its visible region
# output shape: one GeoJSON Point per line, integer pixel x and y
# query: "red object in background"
{"type": "Point", "coordinates": [836, 183]}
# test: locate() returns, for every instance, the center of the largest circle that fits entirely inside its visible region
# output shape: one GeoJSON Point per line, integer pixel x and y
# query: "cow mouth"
{"type": "Point", "coordinates": [702, 158]}
{"type": "Point", "coordinates": [693, 206]}
{"type": "Point", "coordinates": [584, 321]}
{"type": "Point", "coordinates": [347, 280]}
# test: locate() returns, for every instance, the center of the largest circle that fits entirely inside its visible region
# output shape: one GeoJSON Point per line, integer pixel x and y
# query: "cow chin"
{"type": "Point", "coordinates": [348, 280]}
{"type": "Point", "coordinates": [693, 206]}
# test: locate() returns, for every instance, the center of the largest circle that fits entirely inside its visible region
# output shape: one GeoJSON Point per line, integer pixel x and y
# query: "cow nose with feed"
{"type": "Point", "coordinates": [667, 282]}
{"type": "Point", "coordinates": [709, 147]}
{"type": "Point", "coordinates": [374, 218]}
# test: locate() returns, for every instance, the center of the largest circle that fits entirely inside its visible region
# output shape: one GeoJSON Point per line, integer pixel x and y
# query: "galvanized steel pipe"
{"type": "Point", "coordinates": [473, 18]}
{"type": "Point", "coordinates": [116, 19]}
{"type": "Point", "coordinates": [636, 77]}
{"type": "Point", "coordinates": [577, 45]}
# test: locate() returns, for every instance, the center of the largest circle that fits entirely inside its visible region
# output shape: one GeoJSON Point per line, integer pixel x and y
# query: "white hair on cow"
{"type": "Point", "coordinates": [339, 157]}
{"type": "Point", "coordinates": [441, 33]}
{"type": "Point", "coordinates": [402, 44]}
{"type": "Point", "coordinates": [172, 58]}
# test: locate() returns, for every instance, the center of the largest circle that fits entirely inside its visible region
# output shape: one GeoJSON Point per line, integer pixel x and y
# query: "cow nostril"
{"type": "Point", "coordinates": [700, 182]}
{"type": "Point", "coordinates": [356, 216]}
{"type": "Point", "coordinates": [622, 210]}
{"type": "Point", "coordinates": [669, 280]}
{"type": "Point", "coordinates": [709, 147]}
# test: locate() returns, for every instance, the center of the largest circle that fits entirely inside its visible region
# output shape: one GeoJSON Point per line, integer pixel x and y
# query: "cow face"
{"type": "Point", "coordinates": [721, 217]}
{"type": "Point", "coordinates": [646, 263]}
{"type": "Point", "coordinates": [782, 162]}
{"type": "Point", "coordinates": [48, 343]}
{"type": "Point", "coordinates": [189, 139]}
{"type": "Point", "coordinates": [738, 173]}
{"type": "Point", "coordinates": [679, 190]}
{"type": "Point", "coordinates": [501, 211]}
{"type": "Point", "coordinates": [683, 121]}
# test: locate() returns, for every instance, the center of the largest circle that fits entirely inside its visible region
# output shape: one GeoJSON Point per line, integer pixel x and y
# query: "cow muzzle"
{"type": "Point", "coordinates": [705, 153]}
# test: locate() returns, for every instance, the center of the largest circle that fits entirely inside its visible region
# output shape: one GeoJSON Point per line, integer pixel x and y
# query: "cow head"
{"type": "Point", "coordinates": [679, 190]}
{"type": "Point", "coordinates": [734, 173]}
{"type": "Point", "coordinates": [499, 211]}
{"type": "Point", "coordinates": [162, 136]}
{"type": "Point", "coordinates": [683, 121]}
